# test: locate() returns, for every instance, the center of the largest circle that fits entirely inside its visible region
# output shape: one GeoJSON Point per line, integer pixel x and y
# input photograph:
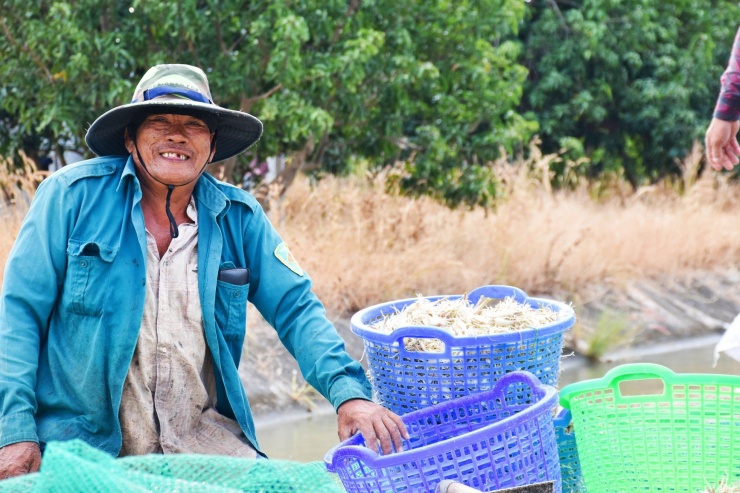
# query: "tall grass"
{"type": "Point", "coordinates": [363, 245]}
{"type": "Point", "coordinates": [17, 187]}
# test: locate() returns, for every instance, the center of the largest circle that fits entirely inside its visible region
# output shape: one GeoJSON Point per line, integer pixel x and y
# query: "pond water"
{"type": "Point", "coordinates": [307, 437]}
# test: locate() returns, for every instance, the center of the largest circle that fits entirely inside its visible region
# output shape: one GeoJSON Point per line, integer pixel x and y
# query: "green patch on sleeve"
{"type": "Point", "coordinates": [283, 254]}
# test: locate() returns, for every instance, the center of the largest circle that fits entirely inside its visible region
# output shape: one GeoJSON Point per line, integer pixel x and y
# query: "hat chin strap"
{"type": "Point", "coordinates": [174, 230]}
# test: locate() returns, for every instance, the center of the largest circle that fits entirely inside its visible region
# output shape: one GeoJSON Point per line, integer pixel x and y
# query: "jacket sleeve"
{"type": "Point", "coordinates": [285, 300]}
{"type": "Point", "coordinates": [33, 278]}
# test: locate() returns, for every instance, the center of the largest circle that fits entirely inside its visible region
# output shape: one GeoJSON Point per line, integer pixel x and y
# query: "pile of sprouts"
{"type": "Point", "coordinates": [461, 318]}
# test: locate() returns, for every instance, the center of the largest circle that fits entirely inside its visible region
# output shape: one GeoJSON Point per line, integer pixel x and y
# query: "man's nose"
{"type": "Point", "coordinates": [176, 133]}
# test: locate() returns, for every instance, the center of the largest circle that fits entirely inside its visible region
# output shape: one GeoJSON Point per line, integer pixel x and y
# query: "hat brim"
{"type": "Point", "coordinates": [237, 130]}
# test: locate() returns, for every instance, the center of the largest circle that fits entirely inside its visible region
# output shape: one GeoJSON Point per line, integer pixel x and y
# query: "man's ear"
{"type": "Point", "coordinates": [213, 147]}
{"type": "Point", "coordinates": [128, 141]}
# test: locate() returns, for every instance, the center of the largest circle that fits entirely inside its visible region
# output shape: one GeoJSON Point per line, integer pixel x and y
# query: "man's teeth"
{"type": "Point", "coordinates": [174, 155]}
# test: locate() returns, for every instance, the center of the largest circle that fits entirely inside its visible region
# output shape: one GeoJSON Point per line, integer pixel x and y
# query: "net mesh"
{"type": "Point", "coordinates": [74, 466]}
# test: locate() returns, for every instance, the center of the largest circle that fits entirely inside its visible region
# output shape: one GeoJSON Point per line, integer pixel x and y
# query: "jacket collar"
{"type": "Point", "coordinates": [207, 191]}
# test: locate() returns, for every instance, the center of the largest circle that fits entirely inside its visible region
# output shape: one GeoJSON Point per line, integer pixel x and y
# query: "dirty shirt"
{"type": "Point", "coordinates": [73, 295]}
{"type": "Point", "coordinates": [169, 396]}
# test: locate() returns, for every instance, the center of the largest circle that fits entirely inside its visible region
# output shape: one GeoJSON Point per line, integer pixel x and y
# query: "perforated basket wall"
{"type": "Point", "coordinates": [683, 437]}
{"type": "Point", "coordinates": [76, 467]}
{"type": "Point", "coordinates": [405, 381]}
{"type": "Point", "coordinates": [497, 439]}
{"type": "Point", "coordinates": [570, 465]}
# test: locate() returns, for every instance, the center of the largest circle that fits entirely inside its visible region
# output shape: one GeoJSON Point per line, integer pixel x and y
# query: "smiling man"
{"type": "Point", "coordinates": [123, 307]}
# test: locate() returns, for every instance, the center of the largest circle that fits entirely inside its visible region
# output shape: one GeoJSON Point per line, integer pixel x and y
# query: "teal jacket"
{"type": "Point", "coordinates": [73, 297]}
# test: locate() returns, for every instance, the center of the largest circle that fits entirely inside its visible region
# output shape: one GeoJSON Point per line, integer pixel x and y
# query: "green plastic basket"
{"type": "Point", "coordinates": [682, 437]}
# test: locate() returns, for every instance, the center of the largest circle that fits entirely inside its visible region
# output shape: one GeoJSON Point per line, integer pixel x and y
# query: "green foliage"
{"type": "Point", "coordinates": [432, 83]}
{"type": "Point", "coordinates": [440, 96]}
{"type": "Point", "coordinates": [634, 81]}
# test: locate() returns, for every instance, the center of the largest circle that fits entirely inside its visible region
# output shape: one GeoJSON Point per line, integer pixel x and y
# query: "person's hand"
{"type": "Point", "coordinates": [722, 146]}
{"type": "Point", "coordinates": [376, 423]}
{"type": "Point", "coordinates": [19, 458]}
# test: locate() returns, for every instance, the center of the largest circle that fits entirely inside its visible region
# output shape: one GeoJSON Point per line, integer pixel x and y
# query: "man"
{"type": "Point", "coordinates": [721, 138]}
{"type": "Point", "coordinates": [123, 308]}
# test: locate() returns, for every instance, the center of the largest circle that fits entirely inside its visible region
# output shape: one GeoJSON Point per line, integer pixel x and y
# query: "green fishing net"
{"type": "Point", "coordinates": [74, 466]}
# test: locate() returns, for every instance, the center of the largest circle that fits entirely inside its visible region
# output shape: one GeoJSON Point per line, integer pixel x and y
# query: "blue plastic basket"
{"type": "Point", "coordinates": [496, 439]}
{"type": "Point", "coordinates": [570, 466]}
{"type": "Point", "coordinates": [405, 381]}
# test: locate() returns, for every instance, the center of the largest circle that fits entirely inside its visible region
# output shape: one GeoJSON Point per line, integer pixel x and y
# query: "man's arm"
{"type": "Point", "coordinates": [721, 137]}
{"type": "Point", "coordinates": [30, 288]}
{"type": "Point", "coordinates": [284, 298]}
{"type": "Point", "coordinates": [19, 459]}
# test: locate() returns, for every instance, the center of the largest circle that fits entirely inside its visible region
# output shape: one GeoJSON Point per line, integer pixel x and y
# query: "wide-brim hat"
{"type": "Point", "coordinates": [177, 89]}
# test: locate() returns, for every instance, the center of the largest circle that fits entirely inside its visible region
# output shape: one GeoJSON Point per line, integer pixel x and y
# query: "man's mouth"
{"type": "Point", "coordinates": [174, 155]}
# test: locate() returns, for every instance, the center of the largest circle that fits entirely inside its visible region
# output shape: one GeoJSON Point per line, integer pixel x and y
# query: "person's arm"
{"type": "Point", "coordinates": [721, 137]}
{"type": "Point", "coordinates": [32, 279]}
{"type": "Point", "coordinates": [19, 458]}
{"type": "Point", "coordinates": [284, 298]}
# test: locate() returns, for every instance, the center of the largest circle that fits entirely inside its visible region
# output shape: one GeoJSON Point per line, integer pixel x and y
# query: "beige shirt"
{"type": "Point", "coordinates": [169, 396]}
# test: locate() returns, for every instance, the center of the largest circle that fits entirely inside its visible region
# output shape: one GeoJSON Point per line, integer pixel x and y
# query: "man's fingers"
{"type": "Point", "coordinates": [730, 154]}
{"type": "Point", "coordinates": [14, 471]}
{"type": "Point", "coordinates": [735, 146]}
{"type": "Point", "coordinates": [383, 435]}
{"type": "Point", "coordinates": [394, 431]}
{"type": "Point", "coordinates": [713, 155]}
{"type": "Point", "coordinates": [371, 439]}
{"type": "Point", "coordinates": [36, 465]}
{"type": "Point", "coordinates": [345, 432]}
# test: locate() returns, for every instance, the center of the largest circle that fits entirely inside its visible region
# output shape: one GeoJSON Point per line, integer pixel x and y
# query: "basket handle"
{"type": "Point", "coordinates": [353, 449]}
{"type": "Point", "coordinates": [516, 377]}
{"type": "Point", "coordinates": [497, 292]}
{"type": "Point", "coordinates": [615, 376]}
{"type": "Point", "coordinates": [423, 332]}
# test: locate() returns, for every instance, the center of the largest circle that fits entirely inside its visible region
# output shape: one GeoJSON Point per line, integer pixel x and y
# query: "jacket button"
{"type": "Point", "coordinates": [83, 263]}
{"type": "Point", "coordinates": [236, 294]}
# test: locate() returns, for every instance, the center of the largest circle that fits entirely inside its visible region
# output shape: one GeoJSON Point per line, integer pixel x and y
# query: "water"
{"type": "Point", "coordinates": [307, 437]}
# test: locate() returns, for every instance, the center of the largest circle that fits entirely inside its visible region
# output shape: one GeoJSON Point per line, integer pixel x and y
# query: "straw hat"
{"type": "Point", "coordinates": [177, 89]}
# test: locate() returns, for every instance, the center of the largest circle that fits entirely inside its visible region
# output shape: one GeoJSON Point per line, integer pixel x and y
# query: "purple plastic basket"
{"type": "Point", "coordinates": [404, 381]}
{"type": "Point", "coordinates": [496, 439]}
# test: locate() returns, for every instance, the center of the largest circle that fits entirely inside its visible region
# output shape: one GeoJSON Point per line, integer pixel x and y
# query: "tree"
{"type": "Point", "coordinates": [632, 81]}
{"type": "Point", "coordinates": [337, 83]}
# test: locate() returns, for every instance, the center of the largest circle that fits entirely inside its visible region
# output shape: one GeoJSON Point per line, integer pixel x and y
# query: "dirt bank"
{"type": "Point", "coordinates": [610, 317]}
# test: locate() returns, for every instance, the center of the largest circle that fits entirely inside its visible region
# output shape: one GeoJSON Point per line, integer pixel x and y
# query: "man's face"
{"type": "Point", "coordinates": [173, 147]}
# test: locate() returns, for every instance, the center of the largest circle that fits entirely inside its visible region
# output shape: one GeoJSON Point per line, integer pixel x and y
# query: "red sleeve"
{"type": "Point", "coordinates": [728, 103]}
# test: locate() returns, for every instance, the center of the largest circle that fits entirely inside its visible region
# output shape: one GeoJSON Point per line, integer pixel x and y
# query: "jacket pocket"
{"type": "Point", "coordinates": [88, 269]}
{"type": "Point", "coordinates": [231, 309]}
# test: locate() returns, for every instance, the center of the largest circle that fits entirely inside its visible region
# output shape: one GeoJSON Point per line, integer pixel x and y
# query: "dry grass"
{"type": "Point", "coordinates": [17, 186]}
{"type": "Point", "coordinates": [363, 246]}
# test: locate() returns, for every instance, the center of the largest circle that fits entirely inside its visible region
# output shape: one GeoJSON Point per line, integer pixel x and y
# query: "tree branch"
{"type": "Point", "coordinates": [220, 37]}
{"type": "Point", "coordinates": [238, 40]}
{"type": "Point", "coordinates": [247, 103]}
{"type": "Point", "coordinates": [352, 8]}
{"type": "Point", "coordinates": [26, 50]}
{"type": "Point", "coordinates": [555, 7]}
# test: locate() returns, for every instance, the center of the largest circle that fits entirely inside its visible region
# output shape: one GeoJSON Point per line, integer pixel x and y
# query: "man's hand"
{"type": "Point", "coordinates": [721, 143]}
{"type": "Point", "coordinates": [19, 458]}
{"type": "Point", "coordinates": [376, 423]}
